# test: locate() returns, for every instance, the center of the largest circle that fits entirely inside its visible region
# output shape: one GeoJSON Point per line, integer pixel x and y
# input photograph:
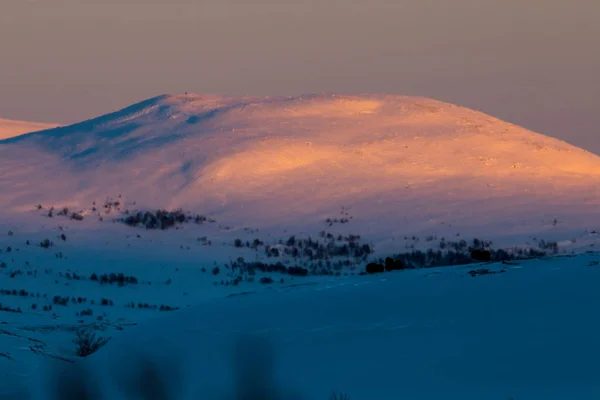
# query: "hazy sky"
{"type": "Point", "coordinates": [532, 62]}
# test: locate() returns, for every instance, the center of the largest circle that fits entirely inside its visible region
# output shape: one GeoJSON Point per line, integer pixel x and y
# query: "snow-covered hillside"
{"type": "Point", "coordinates": [394, 166]}
{"type": "Point", "coordinates": [525, 331]}
{"type": "Point", "coordinates": [11, 128]}
{"type": "Point", "coordinates": [273, 207]}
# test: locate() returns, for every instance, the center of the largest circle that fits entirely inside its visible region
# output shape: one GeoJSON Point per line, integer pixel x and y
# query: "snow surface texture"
{"type": "Point", "coordinates": [404, 173]}
{"type": "Point", "coordinates": [11, 128]}
{"type": "Point", "coordinates": [527, 333]}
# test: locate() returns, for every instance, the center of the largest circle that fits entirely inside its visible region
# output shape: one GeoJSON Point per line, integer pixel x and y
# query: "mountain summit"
{"type": "Point", "coordinates": [397, 165]}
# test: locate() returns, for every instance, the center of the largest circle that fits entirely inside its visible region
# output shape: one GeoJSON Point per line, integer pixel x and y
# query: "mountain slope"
{"type": "Point", "coordinates": [11, 128]}
{"type": "Point", "coordinates": [526, 333]}
{"type": "Point", "coordinates": [399, 165]}
{"type": "Point", "coordinates": [290, 182]}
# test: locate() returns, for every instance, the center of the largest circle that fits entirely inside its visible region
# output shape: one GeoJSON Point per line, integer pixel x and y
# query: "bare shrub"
{"type": "Point", "coordinates": [87, 343]}
{"type": "Point", "coordinates": [46, 243]}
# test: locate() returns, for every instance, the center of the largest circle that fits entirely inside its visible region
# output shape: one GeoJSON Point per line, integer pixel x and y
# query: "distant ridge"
{"type": "Point", "coordinates": [11, 128]}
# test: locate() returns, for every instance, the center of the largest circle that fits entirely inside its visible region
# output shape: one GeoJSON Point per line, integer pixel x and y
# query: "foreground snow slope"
{"type": "Point", "coordinates": [11, 128]}
{"type": "Point", "coordinates": [528, 333]}
{"type": "Point", "coordinates": [397, 165]}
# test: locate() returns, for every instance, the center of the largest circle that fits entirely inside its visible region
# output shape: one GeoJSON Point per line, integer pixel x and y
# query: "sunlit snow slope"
{"type": "Point", "coordinates": [400, 165]}
{"type": "Point", "coordinates": [11, 128]}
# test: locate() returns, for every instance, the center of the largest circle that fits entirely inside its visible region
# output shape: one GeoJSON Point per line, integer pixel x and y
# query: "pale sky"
{"type": "Point", "coordinates": [531, 62]}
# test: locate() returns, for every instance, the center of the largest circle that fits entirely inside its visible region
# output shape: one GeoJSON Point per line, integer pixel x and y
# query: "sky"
{"type": "Point", "coordinates": [534, 63]}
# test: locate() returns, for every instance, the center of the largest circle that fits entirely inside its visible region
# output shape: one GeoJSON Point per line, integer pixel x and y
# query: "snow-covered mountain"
{"type": "Point", "coordinates": [11, 128]}
{"type": "Point", "coordinates": [285, 200]}
{"type": "Point", "coordinates": [399, 166]}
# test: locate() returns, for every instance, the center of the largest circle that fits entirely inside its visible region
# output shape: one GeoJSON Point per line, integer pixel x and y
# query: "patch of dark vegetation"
{"type": "Point", "coordinates": [344, 218]}
{"type": "Point", "coordinates": [331, 221]}
{"type": "Point", "coordinates": [77, 216]}
{"type": "Point", "coordinates": [481, 255]}
{"type": "Point", "coordinates": [374, 268]}
{"type": "Point", "coordinates": [204, 241]}
{"type": "Point", "coordinates": [455, 253]}
{"type": "Point", "coordinates": [327, 254]}
{"type": "Point", "coordinates": [162, 219]}
{"type": "Point", "coordinates": [484, 271]}
{"type": "Point", "coordinates": [46, 243]}
{"type": "Point", "coordinates": [65, 300]}
{"type": "Point", "coordinates": [551, 246]}
{"type": "Point", "coordinates": [111, 278]}
{"type": "Point", "coordinates": [15, 273]}
{"type": "Point", "coordinates": [327, 247]}
{"type": "Point", "coordinates": [61, 301]}
{"type": "Point", "coordinates": [70, 275]}
{"type": "Point", "coordinates": [20, 293]}
{"type": "Point", "coordinates": [88, 312]}
{"type": "Point", "coordinates": [394, 265]}
{"type": "Point", "coordinates": [10, 309]}
{"type": "Point", "coordinates": [242, 267]}
{"type": "Point", "coordinates": [146, 306]}
{"type": "Point", "coordinates": [110, 204]}
{"type": "Point", "coordinates": [106, 302]}
{"type": "Point", "coordinates": [254, 244]}
{"type": "Point", "coordinates": [297, 271]}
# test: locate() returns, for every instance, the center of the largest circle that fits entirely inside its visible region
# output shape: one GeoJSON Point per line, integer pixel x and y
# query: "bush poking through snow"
{"type": "Point", "coordinates": [76, 216]}
{"type": "Point", "coordinates": [10, 309]}
{"type": "Point", "coordinates": [374, 268]}
{"type": "Point", "coordinates": [481, 255]}
{"type": "Point", "coordinates": [393, 265]}
{"type": "Point", "coordinates": [111, 278]}
{"type": "Point", "coordinates": [87, 343]}
{"type": "Point", "coordinates": [46, 243]}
